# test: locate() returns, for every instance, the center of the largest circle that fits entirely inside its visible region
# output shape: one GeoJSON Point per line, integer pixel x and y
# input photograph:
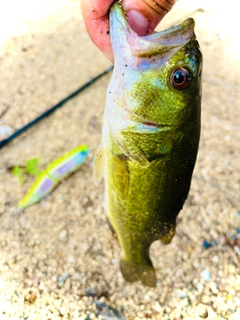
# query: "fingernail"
{"type": "Point", "coordinates": [138, 22]}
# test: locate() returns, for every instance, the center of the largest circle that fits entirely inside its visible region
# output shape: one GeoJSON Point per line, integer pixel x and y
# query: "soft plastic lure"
{"type": "Point", "coordinates": [53, 175]}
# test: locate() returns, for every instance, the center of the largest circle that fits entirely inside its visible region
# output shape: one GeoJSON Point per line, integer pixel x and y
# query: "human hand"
{"type": "Point", "coordinates": [143, 17]}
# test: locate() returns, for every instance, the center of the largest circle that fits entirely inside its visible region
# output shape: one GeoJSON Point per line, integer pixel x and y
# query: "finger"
{"type": "Point", "coordinates": [96, 19]}
{"type": "Point", "coordinates": [143, 17]}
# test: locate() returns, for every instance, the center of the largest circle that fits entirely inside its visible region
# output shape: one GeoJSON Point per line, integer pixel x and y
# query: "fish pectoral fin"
{"type": "Point", "coordinates": [131, 150]}
{"type": "Point", "coordinates": [137, 155]}
{"type": "Point", "coordinates": [134, 272]}
{"type": "Point", "coordinates": [98, 165]}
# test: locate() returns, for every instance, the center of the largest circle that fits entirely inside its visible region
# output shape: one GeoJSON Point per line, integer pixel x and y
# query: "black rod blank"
{"type": "Point", "coordinates": [53, 108]}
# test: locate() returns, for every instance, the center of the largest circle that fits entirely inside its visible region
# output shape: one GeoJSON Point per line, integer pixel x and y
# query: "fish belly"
{"type": "Point", "coordinates": [142, 204]}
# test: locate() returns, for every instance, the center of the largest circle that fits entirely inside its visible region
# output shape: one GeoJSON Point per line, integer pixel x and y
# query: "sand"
{"type": "Point", "coordinates": [58, 259]}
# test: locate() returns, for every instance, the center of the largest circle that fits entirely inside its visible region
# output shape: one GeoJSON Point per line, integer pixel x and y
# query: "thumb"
{"type": "Point", "coordinates": [144, 15]}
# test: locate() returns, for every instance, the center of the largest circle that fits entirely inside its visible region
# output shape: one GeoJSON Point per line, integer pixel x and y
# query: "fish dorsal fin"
{"type": "Point", "coordinates": [98, 165]}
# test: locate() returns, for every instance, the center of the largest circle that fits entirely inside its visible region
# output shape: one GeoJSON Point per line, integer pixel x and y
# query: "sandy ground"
{"type": "Point", "coordinates": [58, 259]}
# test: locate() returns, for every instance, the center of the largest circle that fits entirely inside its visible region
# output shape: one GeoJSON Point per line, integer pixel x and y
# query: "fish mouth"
{"type": "Point", "coordinates": [128, 121]}
{"type": "Point", "coordinates": [165, 41]}
{"type": "Point", "coordinates": [156, 43]}
{"type": "Point", "coordinates": [149, 126]}
{"type": "Point", "coordinates": [154, 124]}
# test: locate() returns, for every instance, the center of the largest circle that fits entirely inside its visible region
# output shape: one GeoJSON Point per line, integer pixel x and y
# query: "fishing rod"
{"type": "Point", "coordinates": [53, 108]}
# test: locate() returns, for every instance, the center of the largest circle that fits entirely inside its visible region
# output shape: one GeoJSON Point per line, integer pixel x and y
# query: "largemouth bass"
{"type": "Point", "coordinates": [150, 137]}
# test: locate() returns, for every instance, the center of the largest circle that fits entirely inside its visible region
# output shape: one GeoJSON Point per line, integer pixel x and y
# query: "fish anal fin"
{"type": "Point", "coordinates": [98, 165]}
{"type": "Point", "coordinates": [167, 237]}
{"type": "Point", "coordinates": [133, 272]}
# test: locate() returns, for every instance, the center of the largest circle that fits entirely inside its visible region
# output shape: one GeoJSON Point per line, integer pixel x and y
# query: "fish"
{"type": "Point", "coordinates": [150, 137]}
{"type": "Point", "coordinates": [55, 172]}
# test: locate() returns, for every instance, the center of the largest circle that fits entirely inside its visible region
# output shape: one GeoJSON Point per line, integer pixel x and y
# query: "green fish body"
{"type": "Point", "coordinates": [150, 137]}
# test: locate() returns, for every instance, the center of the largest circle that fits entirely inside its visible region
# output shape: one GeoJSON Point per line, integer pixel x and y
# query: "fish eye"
{"type": "Point", "coordinates": [180, 78]}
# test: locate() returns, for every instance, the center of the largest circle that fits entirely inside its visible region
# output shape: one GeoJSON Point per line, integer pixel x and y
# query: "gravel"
{"type": "Point", "coordinates": [58, 258]}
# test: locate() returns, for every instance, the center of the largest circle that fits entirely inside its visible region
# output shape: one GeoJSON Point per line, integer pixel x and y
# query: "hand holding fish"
{"type": "Point", "coordinates": [143, 17]}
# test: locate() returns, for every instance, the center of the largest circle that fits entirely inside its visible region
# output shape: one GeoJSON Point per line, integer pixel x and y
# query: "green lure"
{"type": "Point", "coordinates": [150, 137]}
{"type": "Point", "coordinates": [56, 171]}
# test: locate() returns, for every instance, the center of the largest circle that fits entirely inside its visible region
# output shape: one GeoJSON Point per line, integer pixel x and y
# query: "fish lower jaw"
{"type": "Point", "coordinates": [138, 121]}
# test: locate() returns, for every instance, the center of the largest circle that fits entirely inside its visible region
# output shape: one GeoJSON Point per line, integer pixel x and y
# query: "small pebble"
{"type": "Point", "coordinates": [91, 292]}
{"type": "Point", "coordinates": [107, 312]}
{"type": "Point", "coordinates": [62, 234]}
{"type": "Point", "coordinates": [206, 244]}
{"type": "Point", "coordinates": [213, 243]}
{"type": "Point", "coordinates": [63, 278]}
{"type": "Point", "coordinates": [213, 287]}
{"type": "Point", "coordinates": [182, 294]}
{"type": "Point", "coordinates": [71, 259]}
{"type": "Point", "coordinates": [215, 259]}
{"type": "Point", "coordinates": [231, 237]}
{"type": "Point", "coordinates": [5, 130]}
{"type": "Point", "coordinates": [206, 275]}
{"type": "Point", "coordinates": [236, 249]}
{"type": "Point", "coordinates": [222, 240]}
{"type": "Point", "coordinates": [62, 310]}
{"type": "Point", "coordinates": [229, 296]}
{"type": "Point", "coordinates": [203, 313]}
{"type": "Point", "coordinates": [200, 287]}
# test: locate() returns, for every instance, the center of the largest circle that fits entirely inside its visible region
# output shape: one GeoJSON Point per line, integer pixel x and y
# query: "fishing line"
{"type": "Point", "coordinates": [53, 108]}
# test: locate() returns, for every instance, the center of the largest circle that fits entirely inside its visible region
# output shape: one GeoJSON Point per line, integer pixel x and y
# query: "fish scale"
{"type": "Point", "coordinates": [150, 137]}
